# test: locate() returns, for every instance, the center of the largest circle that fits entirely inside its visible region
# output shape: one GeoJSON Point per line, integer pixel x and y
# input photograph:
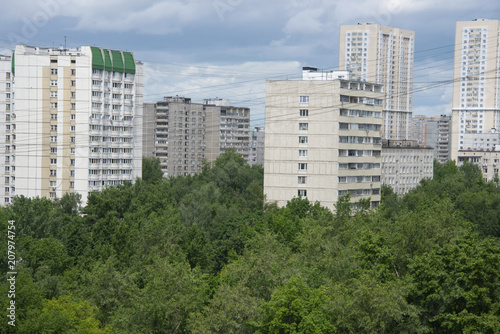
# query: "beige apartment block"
{"type": "Point", "coordinates": [476, 81]}
{"type": "Point", "coordinates": [384, 55]}
{"type": "Point", "coordinates": [75, 121]}
{"type": "Point", "coordinates": [405, 163]}
{"type": "Point", "coordinates": [322, 140]}
{"type": "Point", "coordinates": [488, 161]}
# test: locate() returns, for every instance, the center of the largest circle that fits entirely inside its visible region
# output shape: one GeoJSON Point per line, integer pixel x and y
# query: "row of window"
{"type": "Point", "coordinates": [358, 179]}
{"type": "Point", "coordinates": [360, 140]}
{"type": "Point", "coordinates": [110, 161]}
{"type": "Point", "coordinates": [360, 113]}
{"type": "Point", "coordinates": [360, 126]}
{"type": "Point", "coordinates": [359, 192]}
{"type": "Point", "coordinates": [53, 71]}
{"type": "Point", "coordinates": [53, 83]}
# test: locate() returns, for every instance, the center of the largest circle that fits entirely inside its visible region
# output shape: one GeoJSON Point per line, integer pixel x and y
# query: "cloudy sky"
{"type": "Point", "coordinates": [228, 48]}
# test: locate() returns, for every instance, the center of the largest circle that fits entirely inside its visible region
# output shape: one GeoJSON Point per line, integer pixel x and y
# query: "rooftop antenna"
{"type": "Point", "coordinates": [64, 42]}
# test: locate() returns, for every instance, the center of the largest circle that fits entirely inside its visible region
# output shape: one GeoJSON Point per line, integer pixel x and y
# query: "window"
{"type": "Point", "coordinates": [73, 106]}
{"type": "Point", "coordinates": [302, 166]}
{"type": "Point", "coordinates": [53, 161]}
{"type": "Point", "coordinates": [73, 71]}
{"type": "Point", "coordinates": [53, 150]}
{"type": "Point", "coordinates": [53, 117]}
{"type": "Point", "coordinates": [53, 61]}
{"type": "Point", "coordinates": [52, 195]}
{"type": "Point", "coordinates": [72, 139]}
{"type": "Point", "coordinates": [73, 95]}
{"type": "Point", "coordinates": [53, 139]}
{"type": "Point", "coordinates": [303, 126]}
{"type": "Point", "coordinates": [304, 99]}
{"type": "Point", "coordinates": [53, 82]}
{"type": "Point", "coordinates": [73, 117]}
{"type": "Point", "coordinates": [71, 184]}
{"type": "Point", "coordinates": [53, 94]}
{"type": "Point", "coordinates": [302, 179]}
{"type": "Point", "coordinates": [73, 83]}
{"type": "Point", "coordinates": [302, 193]}
{"type": "Point", "coordinates": [53, 128]}
{"type": "Point", "coordinates": [53, 105]}
{"type": "Point", "coordinates": [53, 172]}
{"type": "Point", "coordinates": [71, 173]}
{"type": "Point", "coordinates": [53, 183]}
{"type": "Point", "coordinates": [302, 153]}
{"type": "Point", "coordinates": [304, 112]}
{"type": "Point", "coordinates": [303, 139]}
{"type": "Point", "coordinates": [72, 128]}
{"type": "Point", "coordinates": [53, 71]}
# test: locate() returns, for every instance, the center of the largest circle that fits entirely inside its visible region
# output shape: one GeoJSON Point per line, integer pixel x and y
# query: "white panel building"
{"type": "Point", "coordinates": [405, 163]}
{"type": "Point", "coordinates": [476, 81]}
{"type": "Point", "coordinates": [77, 115]}
{"type": "Point", "coordinates": [384, 55]}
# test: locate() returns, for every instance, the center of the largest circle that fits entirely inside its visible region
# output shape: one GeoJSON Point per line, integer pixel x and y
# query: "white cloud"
{"type": "Point", "coordinates": [305, 22]}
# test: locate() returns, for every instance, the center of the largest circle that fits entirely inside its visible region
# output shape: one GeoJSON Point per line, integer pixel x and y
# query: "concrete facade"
{"type": "Point", "coordinates": [322, 141]}
{"type": "Point", "coordinates": [405, 164]}
{"type": "Point", "coordinates": [148, 127]}
{"type": "Point", "coordinates": [179, 136]}
{"type": "Point", "coordinates": [228, 127]}
{"type": "Point", "coordinates": [488, 161]}
{"type": "Point", "coordinates": [444, 139]}
{"type": "Point", "coordinates": [257, 146]}
{"type": "Point", "coordinates": [383, 55]}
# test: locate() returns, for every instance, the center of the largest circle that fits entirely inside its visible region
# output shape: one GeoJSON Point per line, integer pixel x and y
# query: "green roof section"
{"type": "Point", "coordinates": [117, 61]}
{"type": "Point", "coordinates": [13, 63]}
{"type": "Point", "coordinates": [129, 62]}
{"type": "Point", "coordinates": [108, 65]}
{"type": "Point", "coordinates": [109, 60]}
{"type": "Point", "coordinates": [97, 61]}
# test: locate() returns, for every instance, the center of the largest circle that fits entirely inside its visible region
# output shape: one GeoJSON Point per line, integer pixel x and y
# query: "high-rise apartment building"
{"type": "Point", "coordinates": [74, 118]}
{"type": "Point", "coordinates": [383, 55]}
{"type": "Point", "coordinates": [323, 140]}
{"type": "Point", "coordinates": [179, 135]}
{"type": "Point", "coordinates": [443, 142]}
{"type": "Point", "coordinates": [227, 127]}
{"type": "Point", "coordinates": [257, 146]}
{"type": "Point", "coordinates": [476, 80]}
{"type": "Point", "coordinates": [183, 134]}
{"type": "Point", "coordinates": [424, 130]}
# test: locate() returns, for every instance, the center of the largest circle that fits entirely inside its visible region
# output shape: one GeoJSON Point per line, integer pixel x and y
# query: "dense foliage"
{"type": "Point", "coordinates": [205, 254]}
